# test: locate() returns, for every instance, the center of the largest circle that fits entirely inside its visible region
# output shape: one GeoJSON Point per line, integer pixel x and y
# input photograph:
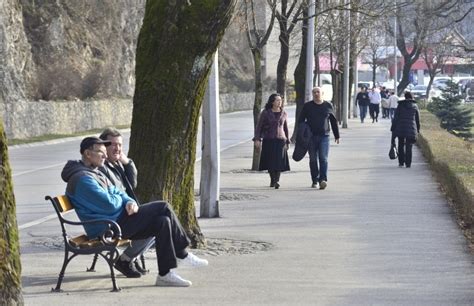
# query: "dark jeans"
{"type": "Point", "coordinates": [319, 152]}
{"type": "Point", "coordinates": [405, 146]}
{"type": "Point", "coordinates": [363, 112]}
{"type": "Point", "coordinates": [157, 219]}
{"type": "Point", "coordinates": [374, 110]}
{"type": "Point", "coordinates": [138, 247]}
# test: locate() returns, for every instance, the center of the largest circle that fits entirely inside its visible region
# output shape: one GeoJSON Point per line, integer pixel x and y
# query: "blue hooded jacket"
{"type": "Point", "coordinates": [93, 196]}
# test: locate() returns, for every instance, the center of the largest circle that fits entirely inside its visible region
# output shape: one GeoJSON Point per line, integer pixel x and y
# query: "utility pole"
{"type": "Point", "coordinates": [355, 74]}
{"type": "Point", "coordinates": [210, 163]}
{"type": "Point", "coordinates": [345, 98]}
{"type": "Point", "coordinates": [310, 52]}
{"type": "Point", "coordinates": [395, 66]}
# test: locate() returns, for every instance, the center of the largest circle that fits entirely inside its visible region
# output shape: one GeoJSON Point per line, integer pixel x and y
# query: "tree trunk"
{"type": "Point", "coordinates": [300, 75]}
{"type": "Point", "coordinates": [174, 55]}
{"type": "Point", "coordinates": [10, 265]}
{"type": "Point", "coordinates": [257, 104]}
{"type": "Point", "coordinates": [409, 60]}
{"type": "Point", "coordinates": [374, 73]}
{"type": "Point", "coordinates": [282, 66]}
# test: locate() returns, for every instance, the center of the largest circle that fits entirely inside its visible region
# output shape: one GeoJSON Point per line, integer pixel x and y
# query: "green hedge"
{"type": "Point", "coordinates": [452, 160]}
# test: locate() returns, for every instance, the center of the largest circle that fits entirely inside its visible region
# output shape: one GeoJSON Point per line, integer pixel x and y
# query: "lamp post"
{"type": "Point", "coordinates": [345, 98]}
{"type": "Point", "coordinates": [395, 66]}
{"type": "Point", "coordinates": [310, 53]}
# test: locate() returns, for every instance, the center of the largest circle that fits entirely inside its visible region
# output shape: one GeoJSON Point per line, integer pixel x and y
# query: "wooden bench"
{"type": "Point", "coordinates": [106, 246]}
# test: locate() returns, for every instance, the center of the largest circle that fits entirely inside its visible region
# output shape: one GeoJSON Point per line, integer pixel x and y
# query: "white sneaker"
{"type": "Point", "coordinates": [171, 279]}
{"type": "Point", "coordinates": [192, 261]}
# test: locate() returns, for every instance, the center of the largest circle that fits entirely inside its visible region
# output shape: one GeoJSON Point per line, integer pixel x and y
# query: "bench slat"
{"type": "Point", "coordinates": [83, 242]}
{"type": "Point", "coordinates": [64, 203]}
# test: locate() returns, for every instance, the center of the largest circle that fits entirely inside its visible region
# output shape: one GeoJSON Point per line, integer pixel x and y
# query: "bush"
{"type": "Point", "coordinates": [452, 160]}
{"type": "Point", "coordinates": [448, 109]}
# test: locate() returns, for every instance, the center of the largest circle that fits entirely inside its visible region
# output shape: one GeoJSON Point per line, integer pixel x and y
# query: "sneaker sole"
{"type": "Point", "coordinates": [160, 283]}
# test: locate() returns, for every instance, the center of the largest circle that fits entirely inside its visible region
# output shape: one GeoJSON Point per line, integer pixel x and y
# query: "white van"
{"type": "Point", "coordinates": [326, 85]}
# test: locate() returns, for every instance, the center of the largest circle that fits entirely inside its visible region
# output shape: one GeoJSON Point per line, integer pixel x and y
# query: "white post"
{"type": "Point", "coordinates": [345, 98]}
{"type": "Point", "coordinates": [310, 53]}
{"type": "Point", "coordinates": [395, 66]}
{"type": "Point", "coordinates": [355, 73]}
{"type": "Point", "coordinates": [356, 81]}
{"type": "Point", "coordinates": [210, 163]}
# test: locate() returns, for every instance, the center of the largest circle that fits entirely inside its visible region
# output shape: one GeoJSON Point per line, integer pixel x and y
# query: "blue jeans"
{"type": "Point", "coordinates": [392, 113]}
{"type": "Point", "coordinates": [363, 112]}
{"type": "Point", "coordinates": [318, 153]}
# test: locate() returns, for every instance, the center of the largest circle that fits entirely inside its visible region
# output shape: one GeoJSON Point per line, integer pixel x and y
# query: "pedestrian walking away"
{"type": "Point", "coordinates": [319, 115]}
{"type": "Point", "coordinates": [374, 106]}
{"type": "Point", "coordinates": [392, 104]}
{"type": "Point", "coordinates": [95, 197]}
{"type": "Point", "coordinates": [385, 106]}
{"type": "Point", "coordinates": [405, 127]}
{"type": "Point", "coordinates": [271, 134]}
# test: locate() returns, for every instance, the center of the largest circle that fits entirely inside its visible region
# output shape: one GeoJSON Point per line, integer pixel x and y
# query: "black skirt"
{"type": "Point", "coordinates": [274, 156]}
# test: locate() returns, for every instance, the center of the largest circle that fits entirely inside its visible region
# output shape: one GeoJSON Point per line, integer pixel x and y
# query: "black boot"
{"type": "Point", "coordinates": [272, 178]}
{"type": "Point", "coordinates": [277, 179]}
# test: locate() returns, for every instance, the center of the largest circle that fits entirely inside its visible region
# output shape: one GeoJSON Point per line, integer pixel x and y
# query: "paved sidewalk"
{"type": "Point", "coordinates": [378, 235]}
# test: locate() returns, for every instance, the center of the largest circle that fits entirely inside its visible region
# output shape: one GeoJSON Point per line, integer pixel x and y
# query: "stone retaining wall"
{"type": "Point", "coordinates": [28, 119]}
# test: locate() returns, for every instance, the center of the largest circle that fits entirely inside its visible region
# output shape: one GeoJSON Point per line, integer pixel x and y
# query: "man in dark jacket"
{"type": "Point", "coordinates": [363, 101]}
{"type": "Point", "coordinates": [94, 197]}
{"type": "Point", "coordinates": [121, 171]}
{"type": "Point", "coordinates": [319, 115]}
{"type": "Point", "coordinates": [406, 126]}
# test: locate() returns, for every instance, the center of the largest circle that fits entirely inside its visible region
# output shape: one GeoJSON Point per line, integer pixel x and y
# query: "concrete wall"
{"type": "Point", "coordinates": [28, 119]}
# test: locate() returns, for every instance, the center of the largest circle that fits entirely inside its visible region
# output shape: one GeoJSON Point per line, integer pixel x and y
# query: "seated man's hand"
{"type": "Point", "coordinates": [132, 208]}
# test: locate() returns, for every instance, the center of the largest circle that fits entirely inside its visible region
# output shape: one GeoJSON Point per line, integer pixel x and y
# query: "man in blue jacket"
{"type": "Point", "coordinates": [95, 197]}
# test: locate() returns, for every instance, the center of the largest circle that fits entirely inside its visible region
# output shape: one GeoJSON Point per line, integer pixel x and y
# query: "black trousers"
{"type": "Point", "coordinates": [374, 110]}
{"type": "Point", "coordinates": [157, 219]}
{"type": "Point", "coordinates": [405, 146]}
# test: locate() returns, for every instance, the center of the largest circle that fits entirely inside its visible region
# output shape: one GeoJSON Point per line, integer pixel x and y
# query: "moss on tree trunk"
{"type": "Point", "coordinates": [10, 265]}
{"type": "Point", "coordinates": [257, 104]}
{"type": "Point", "coordinates": [174, 55]}
{"type": "Point", "coordinates": [300, 74]}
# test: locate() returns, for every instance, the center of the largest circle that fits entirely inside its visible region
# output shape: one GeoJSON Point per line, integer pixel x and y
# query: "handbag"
{"type": "Point", "coordinates": [393, 153]}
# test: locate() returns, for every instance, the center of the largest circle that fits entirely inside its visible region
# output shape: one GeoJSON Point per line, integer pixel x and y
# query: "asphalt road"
{"type": "Point", "coordinates": [36, 167]}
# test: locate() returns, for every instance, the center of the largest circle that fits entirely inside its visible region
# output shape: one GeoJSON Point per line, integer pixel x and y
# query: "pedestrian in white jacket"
{"type": "Point", "coordinates": [374, 106]}
{"type": "Point", "coordinates": [392, 104]}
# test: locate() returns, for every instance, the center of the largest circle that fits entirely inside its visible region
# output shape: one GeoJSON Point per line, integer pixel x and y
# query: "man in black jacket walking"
{"type": "Point", "coordinates": [319, 115]}
{"type": "Point", "coordinates": [406, 126]}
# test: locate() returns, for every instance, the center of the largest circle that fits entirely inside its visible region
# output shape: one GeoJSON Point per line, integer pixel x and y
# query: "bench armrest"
{"type": "Point", "coordinates": [112, 234]}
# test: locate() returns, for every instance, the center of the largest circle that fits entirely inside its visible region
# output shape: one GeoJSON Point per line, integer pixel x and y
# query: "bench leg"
{"type": "Point", "coordinates": [142, 259]}
{"type": "Point", "coordinates": [63, 270]}
{"type": "Point", "coordinates": [110, 257]}
{"type": "Point", "coordinates": [94, 261]}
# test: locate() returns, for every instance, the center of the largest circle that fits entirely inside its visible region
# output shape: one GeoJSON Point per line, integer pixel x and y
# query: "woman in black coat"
{"type": "Point", "coordinates": [406, 126]}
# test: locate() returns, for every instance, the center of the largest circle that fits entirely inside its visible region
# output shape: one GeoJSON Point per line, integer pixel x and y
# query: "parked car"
{"type": "Point", "coordinates": [419, 92]}
{"type": "Point", "coordinates": [463, 83]}
{"type": "Point", "coordinates": [470, 91]}
{"type": "Point", "coordinates": [366, 84]}
{"type": "Point", "coordinates": [440, 83]}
